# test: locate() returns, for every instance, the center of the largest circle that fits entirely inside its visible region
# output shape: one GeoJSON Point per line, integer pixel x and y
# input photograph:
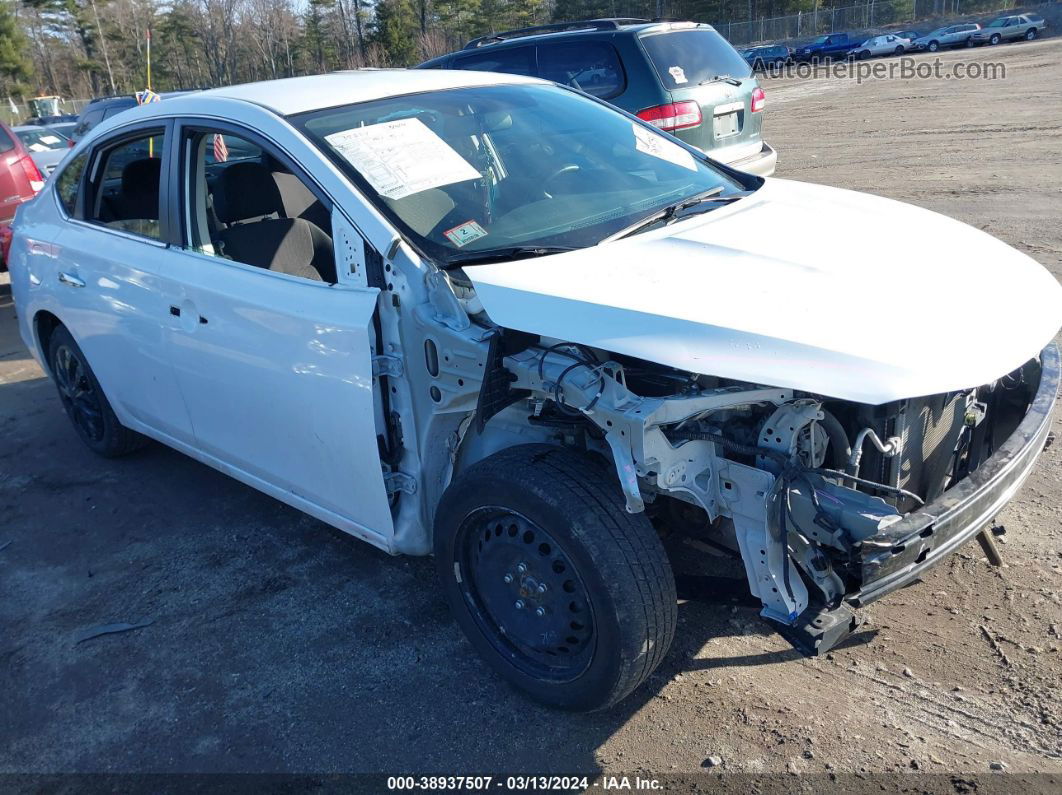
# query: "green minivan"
{"type": "Point", "coordinates": [682, 77]}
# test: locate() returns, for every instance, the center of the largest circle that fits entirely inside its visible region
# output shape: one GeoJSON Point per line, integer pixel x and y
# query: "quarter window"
{"type": "Point", "coordinates": [515, 61]}
{"type": "Point", "coordinates": [6, 143]}
{"type": "Point", "coordinates": [68, 183]}
{"type": "Point", "coordinates": [589, 66]}
{"type": "Point", "coordinates": [127, 184]}
{"type": "Point", "coordinates": [247, 206]}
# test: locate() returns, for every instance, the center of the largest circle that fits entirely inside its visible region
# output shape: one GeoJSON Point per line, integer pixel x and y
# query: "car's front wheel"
{"type": "Point", "coordinates": [995, 39]}
{"type": "Point", "coordinates": [84, 402]}
{"type": "Point", "coordinates": [933, 46]}
{"type": "Point", "coordinates": [563, 592]}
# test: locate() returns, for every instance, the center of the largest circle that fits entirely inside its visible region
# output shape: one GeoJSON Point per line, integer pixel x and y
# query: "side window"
{"type": "Point", "coordinates": [88, 121]}
{"type": "Point", "coordinates": [114, 110]}
{"type": "Point", "coordinates": [590, 66]}
{"type": "Point", "coordinates": [246, 205]}
{"type": "Point", "coordinates": [68, 183]}
{"type": "Point", "coordinates": [6, 144]}
{"type": "Point", "coordinates": [514, 61]}
{"type": "Point", "coordinates": [126, 183]}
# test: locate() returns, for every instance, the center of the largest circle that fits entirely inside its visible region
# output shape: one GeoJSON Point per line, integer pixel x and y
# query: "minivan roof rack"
{"type": "Point", "coordinates": [612, 23]}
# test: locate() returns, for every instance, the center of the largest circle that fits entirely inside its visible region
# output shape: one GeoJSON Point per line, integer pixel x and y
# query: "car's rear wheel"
{"type": "Point", "coordinates": [1030, 34]}
{"type": "Point", "coordinates": [84, 402]}
{"type": "Point", "coordinates": [563, 592]}
{"type": "Point", "coordinates": [994, 39]}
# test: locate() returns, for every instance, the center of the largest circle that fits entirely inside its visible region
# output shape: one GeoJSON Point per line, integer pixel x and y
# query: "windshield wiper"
{"type": "Point", "coordinates": [502, 255]}
{"type": "Point", "coordinates": [667, 215]}
{"type": "Point", "coordinates": [721, 79]}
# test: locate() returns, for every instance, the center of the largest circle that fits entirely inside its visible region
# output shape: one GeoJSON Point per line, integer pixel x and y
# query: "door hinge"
{"type": "Point", "coordinates": [399, 481]}
{"type": "Point", "coordinates": [387, 365]}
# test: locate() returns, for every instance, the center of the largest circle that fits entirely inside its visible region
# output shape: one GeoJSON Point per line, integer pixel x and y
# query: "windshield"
{"type": "Point", "coordinates": [495, 167]}
{"type": "Point", "coordinates": [684, 58]}
{"type": "Point", "coordinates": [42, 140]}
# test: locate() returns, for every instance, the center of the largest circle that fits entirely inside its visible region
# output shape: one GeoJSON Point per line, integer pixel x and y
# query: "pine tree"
{"type": "Point", "coordinates": [395, 30]}
{"type": "Point", "coordinates": [15, 65]}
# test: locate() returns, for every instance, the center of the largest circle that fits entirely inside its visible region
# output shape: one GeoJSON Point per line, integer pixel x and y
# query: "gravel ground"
{"type": "Point", "coordinates": [278, 644]}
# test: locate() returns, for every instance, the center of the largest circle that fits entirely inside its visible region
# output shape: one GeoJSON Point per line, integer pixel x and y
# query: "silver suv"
{"type": "Point", "coordinates": [951, 36]}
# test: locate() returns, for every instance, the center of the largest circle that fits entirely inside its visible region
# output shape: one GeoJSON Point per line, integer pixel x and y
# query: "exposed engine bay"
{"type": "Point", "coordinates": [798, 485]}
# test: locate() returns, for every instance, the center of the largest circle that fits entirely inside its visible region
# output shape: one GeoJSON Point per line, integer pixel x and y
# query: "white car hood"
{"type": "Point", "coordinates": [798, 286]}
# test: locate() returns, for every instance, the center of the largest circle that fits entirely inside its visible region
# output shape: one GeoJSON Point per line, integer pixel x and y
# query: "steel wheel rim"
{"type": "Point", "coordinates": [78, 394]}
{"type": "Point", "coordinates": [525, 594]}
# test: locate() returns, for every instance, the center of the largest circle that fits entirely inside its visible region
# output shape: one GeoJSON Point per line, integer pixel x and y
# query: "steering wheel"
{"type": "Point", "coordinates": [567, 168]}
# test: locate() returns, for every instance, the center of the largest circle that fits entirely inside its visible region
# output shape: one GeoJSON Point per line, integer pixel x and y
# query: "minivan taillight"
{"type": "Point", "coordinates": [33, 174]}
{"type": "Point", "coordinates": [759, 99]}
{"type": "Point", "coordinates": [673, 116]}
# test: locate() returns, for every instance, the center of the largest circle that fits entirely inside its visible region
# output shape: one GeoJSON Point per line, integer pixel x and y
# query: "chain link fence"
{"type": "Point", "coordinates": [865, 17]}
{"type": "Point", "coordinates": [15, 113]}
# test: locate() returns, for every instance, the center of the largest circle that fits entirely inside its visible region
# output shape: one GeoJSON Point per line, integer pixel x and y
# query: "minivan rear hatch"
{"type": "Point", "coordinates": [690, 63]}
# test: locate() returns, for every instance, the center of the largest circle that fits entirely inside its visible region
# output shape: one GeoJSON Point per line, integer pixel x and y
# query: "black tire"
{"type": "Point", "coordinates": [898, 50]}
{"type": "Point", "coordinates": [540, 533]}
{"type": "Point", "coordinates": [864, 54]}
{"type": "Point", "coordinates": [1030, 34]}
{"type": "Point", "coordinates": [933, 46]}
{"type": "Point", "coordinates": [995, 39]}
{"type": "Point", "coordinates": [84, 402]}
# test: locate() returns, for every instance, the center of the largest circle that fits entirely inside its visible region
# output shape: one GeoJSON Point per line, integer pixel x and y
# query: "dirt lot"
{"type": "Point", "coordinates": [278, 644]}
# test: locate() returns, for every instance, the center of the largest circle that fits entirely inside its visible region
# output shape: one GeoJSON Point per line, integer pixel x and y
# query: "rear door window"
{"type": "Point", "coordinates": [68, 183]}
{"type": "Point", "coordinates": [514, 61]}
{"type": "Point", "coordinates": [127, 186]}
{"type": "Point", "coordinates": [685, 58]}
{"type": "Point", "coordinates": [590, 66]}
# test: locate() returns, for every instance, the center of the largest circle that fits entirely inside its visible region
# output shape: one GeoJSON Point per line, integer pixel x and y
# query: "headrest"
{"type": "Point", "coordinates": [246, 190]}
{"type": "Point", "coordinates": [140, 187]}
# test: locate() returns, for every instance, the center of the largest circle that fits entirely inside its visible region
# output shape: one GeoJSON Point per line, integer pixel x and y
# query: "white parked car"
{"type": "Point", "coordinates": [490, 318]}
{"type": "Point", "coordinates": [880, 45]}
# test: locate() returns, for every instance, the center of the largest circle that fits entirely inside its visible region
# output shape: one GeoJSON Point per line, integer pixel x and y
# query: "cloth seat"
{"type": "Point", "coordinates": [248, 202]}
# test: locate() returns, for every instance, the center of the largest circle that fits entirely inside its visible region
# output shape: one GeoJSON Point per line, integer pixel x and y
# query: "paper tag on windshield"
{"type": "Point", "coordinates": [658, 146]}
{"type": "Point", "coordinates": [465, 233]}
{"type": "Point", "coordinates": [401, 157]}
{"type": "Point", "coordinates": [677, 74]}
{"type": "Point", "coordinates": [49, 139]}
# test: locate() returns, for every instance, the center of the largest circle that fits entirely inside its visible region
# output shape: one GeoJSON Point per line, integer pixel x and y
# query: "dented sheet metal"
{"type": "Point", "coordinates": [789, 288]}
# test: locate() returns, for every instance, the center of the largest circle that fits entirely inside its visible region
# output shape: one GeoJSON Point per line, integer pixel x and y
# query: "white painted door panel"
{"type": "Point", "coordinates": [276, 372]}
{"type": "Point", "coordinates": [119, 318]}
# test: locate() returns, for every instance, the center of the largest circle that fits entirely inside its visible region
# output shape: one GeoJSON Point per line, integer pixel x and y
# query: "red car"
{"type": "Point", "coordinates": [20, 179]}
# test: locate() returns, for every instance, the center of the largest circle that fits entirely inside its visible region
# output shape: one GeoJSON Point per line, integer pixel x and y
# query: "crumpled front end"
{"type": "Point", "coordinates": [829, 504]}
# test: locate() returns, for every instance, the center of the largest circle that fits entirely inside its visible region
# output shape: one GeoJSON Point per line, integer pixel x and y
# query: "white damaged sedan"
{"type": "Point", "coordinates": [493, 319]}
